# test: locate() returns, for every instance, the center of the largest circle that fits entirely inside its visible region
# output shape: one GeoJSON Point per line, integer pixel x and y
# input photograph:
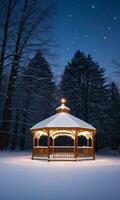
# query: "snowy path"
{"type": "Point", "coordinates": [24, 179]}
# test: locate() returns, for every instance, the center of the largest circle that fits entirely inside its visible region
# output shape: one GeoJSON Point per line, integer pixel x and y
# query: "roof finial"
{"type": "Point", "coordinates": [62, 107]}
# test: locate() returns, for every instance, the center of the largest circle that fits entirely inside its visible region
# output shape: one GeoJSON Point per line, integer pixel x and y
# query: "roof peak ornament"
{"type": "Point", "coordinates": [62, 107]}
{"type": "Point", "coordinates": [63, 101]}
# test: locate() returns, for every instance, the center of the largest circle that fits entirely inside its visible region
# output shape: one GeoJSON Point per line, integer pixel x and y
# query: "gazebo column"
{"type": "Point", "coordinates": [38, 141]}
{"type": "Point", "coordinates": [53, 146]}
{"type": "Point", "coordinates": [33, 143]}
{"type": "Point", "coordinates": [48, 144]}
{"type": "Point", "coordinates": [88, 142]}
{"type": "Point", "coordinates": [33, 139]}
{"type": "Point", "coordinates": [75, 145]}
{"type": "Point", "coordinates": [93, 146]}
{"type": "Point", "coordinates": [53, 142]}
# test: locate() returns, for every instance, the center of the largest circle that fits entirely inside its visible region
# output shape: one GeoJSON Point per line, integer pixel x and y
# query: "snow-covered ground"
{"type": "Point", "coordinates": [24, 179]}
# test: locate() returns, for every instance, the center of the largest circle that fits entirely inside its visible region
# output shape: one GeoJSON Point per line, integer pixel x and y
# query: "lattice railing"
{"type": "Point", "coordinates": [62, 151]}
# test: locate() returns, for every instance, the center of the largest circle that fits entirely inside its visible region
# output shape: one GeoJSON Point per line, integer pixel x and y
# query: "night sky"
{"type": "Point", "coordinates": [91, 26]}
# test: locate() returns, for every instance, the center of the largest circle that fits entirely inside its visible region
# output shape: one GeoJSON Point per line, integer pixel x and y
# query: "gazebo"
{"type": "Point", "coordinates": [63, 137]}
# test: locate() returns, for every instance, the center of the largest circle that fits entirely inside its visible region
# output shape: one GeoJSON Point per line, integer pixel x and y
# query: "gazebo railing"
{"type": "Point", "coordinates": [62, 151]}
{"type": "Point", "coordinates": [84, 152]}
{"type": "Point", "coordinates": [65, 152]}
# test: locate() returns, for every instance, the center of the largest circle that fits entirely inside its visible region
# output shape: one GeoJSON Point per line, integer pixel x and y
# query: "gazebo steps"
{"type": "Point", "coordinates": [61, 159]}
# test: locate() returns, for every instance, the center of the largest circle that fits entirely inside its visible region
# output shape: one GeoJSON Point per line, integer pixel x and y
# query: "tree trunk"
{"type": "Point", "coordinates": [15, 137]}
{"type": "Point", "coordinates": [24, 129]}
{"type": "Point", "coordinates": [11, 82]}
{"type": "Point", "coordinates": [7, 105]}
{"type": "Point", "coordinates": [5, 39]}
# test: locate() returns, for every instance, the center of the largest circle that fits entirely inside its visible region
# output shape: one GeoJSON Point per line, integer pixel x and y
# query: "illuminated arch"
{"type": "Point", "coordinates": [37, 137]}
{"type": "Point", "coordinates": [63, 140]}
{"type": "Point", "coordinates": [82, 141]}
{"type": "Point", "coordinates": [63, 133]}
{"type": "Point", "coordinates": [38, 134]}
{"type": "Point", "coordinates": [86, 134]}
{"type": "Point", "coordinates": [43, 140]}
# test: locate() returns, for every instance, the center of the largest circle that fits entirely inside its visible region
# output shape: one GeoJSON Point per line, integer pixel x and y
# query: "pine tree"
{"type": "Point", "coordinates": [114, 116]}
{"type": "Point", "coordinates": [40, 84]}
{"type": "Point", "coordinates": [39, 87]}
{"type": "Point", "coordinates": [71, 83]}
{"type": "Point", "coordinates": [83, 84]}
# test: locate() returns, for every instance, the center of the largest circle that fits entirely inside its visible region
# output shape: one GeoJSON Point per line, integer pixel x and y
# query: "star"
{"type": "Point", "coordinates": [54, 16]}
{"type": "Point", "coordinates": [68, 48]}
{"type": "Point", "coordinates": [115, 18]}
{"type": "Point", "coordinates": [70, 15]}
{"type": "Point", "coordinates": [76, 37]}
{"type": "Point", "coordinates": [104, 37]}
{"type": "Point", "coordinates": [109, 28]}
{"type": "Point", "coordinates": [93, 6]}
{"type": "Point", "coordinates": [73, 42]}
{"type": "Point", "coordinates": [86, 35]}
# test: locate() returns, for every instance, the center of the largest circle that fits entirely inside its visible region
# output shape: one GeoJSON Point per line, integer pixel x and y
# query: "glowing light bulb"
{"type": "Point", "coordinates": [63, 100]}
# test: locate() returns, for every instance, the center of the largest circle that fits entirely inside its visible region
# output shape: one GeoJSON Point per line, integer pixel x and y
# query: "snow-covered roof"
{"type": "Point", "coordinates": [62, 119]}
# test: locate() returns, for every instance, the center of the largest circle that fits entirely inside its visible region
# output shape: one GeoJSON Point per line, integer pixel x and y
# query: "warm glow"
{"type": "Point", "coordinates": [63, 100]}
{"type": "Point", "coordinates": [85, 133]}
{"type": "Point", "coordinates": [38, 134]}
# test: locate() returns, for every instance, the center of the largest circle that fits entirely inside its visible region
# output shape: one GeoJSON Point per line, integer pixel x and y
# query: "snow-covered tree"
{"type": "Point", "coordinates": [114, 116]}
{"type": "Point", "coordinates": [83, 85]}
{"type": "Point", "coordinates": [29, 32]}
{"type": "Point", "coordinates": [37, 102]}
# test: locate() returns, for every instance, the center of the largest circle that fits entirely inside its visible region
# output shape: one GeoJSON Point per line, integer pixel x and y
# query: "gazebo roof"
{"type": "Point", "coordinates": [62, 119]}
